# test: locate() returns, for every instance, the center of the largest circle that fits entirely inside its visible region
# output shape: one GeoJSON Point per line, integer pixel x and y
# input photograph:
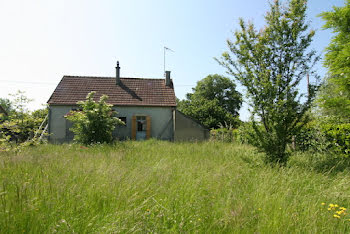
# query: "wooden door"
{"type": "Point", "coordinates": [133, 128]}
{"type": "Point", "coordinates": [148, 127]}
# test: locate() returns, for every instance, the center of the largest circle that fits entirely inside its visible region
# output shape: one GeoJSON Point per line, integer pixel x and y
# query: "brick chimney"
{"type": "Point", "coordinates": [117, 68]}
{"type": "Point", "coordinates": [167, 78]}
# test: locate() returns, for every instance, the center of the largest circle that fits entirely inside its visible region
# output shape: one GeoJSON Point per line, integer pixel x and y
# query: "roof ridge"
{"type": "Point", "coordinates": [110, 77]}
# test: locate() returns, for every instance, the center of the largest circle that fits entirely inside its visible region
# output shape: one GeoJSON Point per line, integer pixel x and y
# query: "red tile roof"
{"type": "Point", "coordinates": [131, 91]}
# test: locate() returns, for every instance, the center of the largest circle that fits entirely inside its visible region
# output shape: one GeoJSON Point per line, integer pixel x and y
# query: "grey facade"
{"type": "Point", "coordinates": [188, 129]}
{"type": "Point", "coordinates": [161, 122]}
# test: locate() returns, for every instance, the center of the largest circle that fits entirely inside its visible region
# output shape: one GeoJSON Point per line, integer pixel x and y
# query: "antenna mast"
{"type": "Point", "coordinates": [166, 48]}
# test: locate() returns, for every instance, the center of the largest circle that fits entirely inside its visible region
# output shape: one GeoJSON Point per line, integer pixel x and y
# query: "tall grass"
{"type": "Point", "coordinates": [156, 186]}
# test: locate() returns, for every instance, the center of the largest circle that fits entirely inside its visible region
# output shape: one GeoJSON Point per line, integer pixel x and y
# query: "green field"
{"type": "Point", "coordinates": [157, 186]}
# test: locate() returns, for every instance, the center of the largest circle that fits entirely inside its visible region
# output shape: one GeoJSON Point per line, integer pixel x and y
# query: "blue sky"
{"type": "Point", "coordinates": [43, 40]}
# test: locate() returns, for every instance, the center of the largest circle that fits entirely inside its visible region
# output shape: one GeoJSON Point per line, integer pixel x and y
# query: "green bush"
{"type": "Point", "coordinates": [339, 137]}
{"type": "Point", "coordinates": [242, 134]}
{"type": "Point", "coordinates": [20, 124]}
{"type": "Point", "coordinates": [311, 138]}
{"type": "Point", "coordinates": [222, 134]}
{"type": "Point", "coordinates": [95, 122]}
{"type": "Point", "coordinates": [324, 137]}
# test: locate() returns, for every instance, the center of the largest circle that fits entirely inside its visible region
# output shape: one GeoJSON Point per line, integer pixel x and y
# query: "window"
{"type": "Point", "coordinates": [123, 119]}
{"type": "Point", "coordinates": [141, 123]}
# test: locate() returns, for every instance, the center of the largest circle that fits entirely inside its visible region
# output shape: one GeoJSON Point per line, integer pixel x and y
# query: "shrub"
{"type": "Point", "coordinates": [222, 134]}
{"type": "Point", "coordinates": [311, 138]}
{"type": "Point", "coordinates": [327, 137]}
{"type": "Point", "coordinates": [20, 124]}
{"type": "Point", "coordinates": [339, 137]}
{"type": "Point", "coordinates": [245, 133]}
{"type": "Point", "coordinates": [95, 122]}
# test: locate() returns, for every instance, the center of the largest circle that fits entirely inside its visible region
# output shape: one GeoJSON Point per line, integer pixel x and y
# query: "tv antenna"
{"type": "Point", "coordinates": [165, 49]}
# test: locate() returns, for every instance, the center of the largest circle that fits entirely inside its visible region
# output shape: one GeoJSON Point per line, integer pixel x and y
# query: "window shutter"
{"type": "Point", "coordinates": [133, 128]}
{"type": "Point", "coordinates": [148, 127]}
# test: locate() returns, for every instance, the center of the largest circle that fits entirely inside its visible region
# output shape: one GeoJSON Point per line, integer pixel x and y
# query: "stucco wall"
{"type": "Point", "coordinates": [187, 129]}
{"type": "Point", "coordinates": [57, 123]}
{"type": "Point", "coordinates": [161, 122]}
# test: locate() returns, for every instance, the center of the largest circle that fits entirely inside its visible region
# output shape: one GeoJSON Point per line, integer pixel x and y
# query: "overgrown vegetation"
{"type": "Point", "coordinates": [335, 96]}
{"type": "Point", "coordinates": [220, 186]}
{"type": "Point", "coordinates": [315, 137]}
{"type": "Point", "coordinates": [20, 127]}
{"type": "Point", "coordinates": [244, 134]}
{"type": "Point", "coordinates": [95, 122]}
{"type": "Point", "coordinates": [156, 186]}
{"type": "Point", "coordinates": [339, 137]}
{"type": "Point", "coordinates": [270, 64]}
{"type": "Point", "coordinates": [330, 129]}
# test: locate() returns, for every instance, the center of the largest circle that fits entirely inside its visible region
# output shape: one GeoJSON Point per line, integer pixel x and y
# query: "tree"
{"type": "Point", "coordinates": [95, 122]}
{"type": "Point", "coordinates": [6, 104]}
{"type": "Point", "coordinates": [270, 64]}
{"type": "Point", "coordinates": [214, 100]}
{"type": "Point", "coordinates": [21, 125]}
{"type": "Point", "coordinates": [19, 103]}
{"type": "Point", "coordinates": [335, 95]}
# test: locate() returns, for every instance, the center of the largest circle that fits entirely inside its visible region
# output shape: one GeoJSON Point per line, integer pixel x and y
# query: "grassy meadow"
{"type": "Point", "coordinates": [157, 186]}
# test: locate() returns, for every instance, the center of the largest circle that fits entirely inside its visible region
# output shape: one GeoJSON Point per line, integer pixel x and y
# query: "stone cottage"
{"type": "Point", "coordinates": [146, 106]}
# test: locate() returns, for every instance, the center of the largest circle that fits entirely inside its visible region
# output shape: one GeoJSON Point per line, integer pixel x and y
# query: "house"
{"type": "Point", "coordinates": [146, 106]}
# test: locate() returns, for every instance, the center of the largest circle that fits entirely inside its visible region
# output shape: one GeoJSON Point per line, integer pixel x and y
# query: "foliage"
{"type": "Point", "coordinates": [166, 187]}
{"type": "Point", "coordinates": [3, 117]}
{"type": "Point", "coordinates": [335, 96]}
{"type": "Point", "coordinates": [220, 88]}
{"type": "Point", "coordinates": [7, 106]}
{"type": "Point", "coordinates": [225, 133]}
{"type": "Point", "coordinates": [20, 129]}
{"type": "Point", "coordinates": [245, 133]}
{"type": "Point", "coordinates": [222, 134]}
{"type": "Point", "coordinates": [324, 136]}
{"type": "Point", "coordinates": [21, 125]}
{"type": "Point", "coordinates": [95, 123]}
{"type": "Point", "coordinates": [40, 113]}
{"type": "Point", "coordinates": [4, 142]}
{"type": "Point", "coordinates": [334, 102]}
{"type": "Point", "coordinates": [311, 138]}
{"type": "Point", "coordinates": [339, 137]}
{"type": "Point", "coordinates": [270, 64]}
{"type": "Point", "coordinates": [214, 100]}
{"type": "Point", "coordinates": [19, 103]}
{"type": "Point", "coordinates": [208, 112]}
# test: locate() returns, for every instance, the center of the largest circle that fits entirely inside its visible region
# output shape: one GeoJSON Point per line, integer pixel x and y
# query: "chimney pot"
{"type": "Point", "coordinates": [167, 78]}
{"type": "Point", "coordinates": [117, 81]}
